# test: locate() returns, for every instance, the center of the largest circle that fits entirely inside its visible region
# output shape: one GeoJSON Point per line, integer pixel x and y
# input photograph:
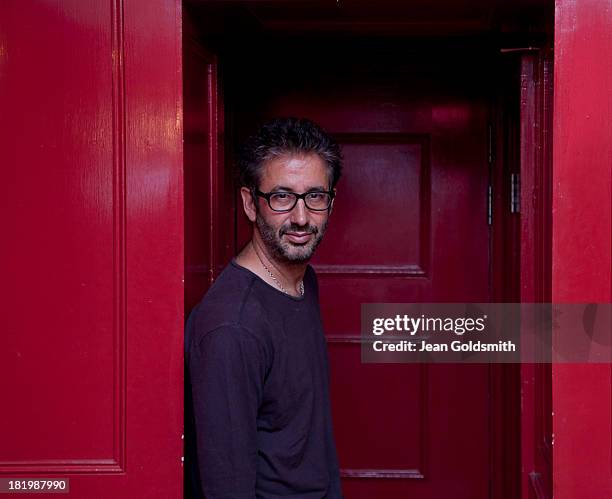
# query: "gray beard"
{"type": "Point", "coordinates": [287, 251]}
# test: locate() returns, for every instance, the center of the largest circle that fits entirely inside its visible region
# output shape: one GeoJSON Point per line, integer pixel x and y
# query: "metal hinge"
{"type": "Point", "coordinates": [490, 205]}
{"type": "Point", "coordinates": [515, 193]}
{"type": "Point", "coordinates": [490, 144]}
{"type": "Point", "coordinates": [490, 157]}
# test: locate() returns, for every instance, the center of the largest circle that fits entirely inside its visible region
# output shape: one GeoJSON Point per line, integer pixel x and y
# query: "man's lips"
{"type": "Point", "coordinates": [298, 237]}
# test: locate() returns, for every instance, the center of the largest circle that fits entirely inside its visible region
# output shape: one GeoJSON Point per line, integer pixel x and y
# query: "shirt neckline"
{"type": "Point", "coordinates": [268, 285]}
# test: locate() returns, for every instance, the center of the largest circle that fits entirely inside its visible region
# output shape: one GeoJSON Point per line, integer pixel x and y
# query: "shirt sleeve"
{"type": "Point", "coordinates": [227, 370]}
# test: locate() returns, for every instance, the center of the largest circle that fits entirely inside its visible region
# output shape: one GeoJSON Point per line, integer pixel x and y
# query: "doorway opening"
{"type": "Point", "coordinates": [428, 100]}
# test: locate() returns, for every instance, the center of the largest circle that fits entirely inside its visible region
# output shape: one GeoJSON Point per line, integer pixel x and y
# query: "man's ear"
{"type": "Point", "coordinates": [248, 203]}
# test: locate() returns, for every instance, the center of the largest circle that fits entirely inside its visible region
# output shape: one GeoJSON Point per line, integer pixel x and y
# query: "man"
{"type": "Point", "coordinates": [256, 352]}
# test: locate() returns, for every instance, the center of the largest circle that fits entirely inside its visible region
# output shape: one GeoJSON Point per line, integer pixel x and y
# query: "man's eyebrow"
{"type": "Point", "coordinates": [289, 189]}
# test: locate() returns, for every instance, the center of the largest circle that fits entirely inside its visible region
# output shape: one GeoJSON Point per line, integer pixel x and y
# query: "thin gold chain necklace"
{"type": "Point", "coordinates": [274, 278]}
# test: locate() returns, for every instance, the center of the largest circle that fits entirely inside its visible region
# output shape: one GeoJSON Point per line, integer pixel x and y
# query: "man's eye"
{"type": "Point", "coordinates": [281, 196]}
{"type": "Point", "coordinates": [315, 195]}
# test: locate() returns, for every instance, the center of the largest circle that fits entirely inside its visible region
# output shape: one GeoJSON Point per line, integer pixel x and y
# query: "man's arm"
{"type": "Point", "coordinates": [227, 369]}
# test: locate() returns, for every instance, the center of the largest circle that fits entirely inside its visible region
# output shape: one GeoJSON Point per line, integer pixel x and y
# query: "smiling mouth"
{"type": "Point", "coordinates": [298, 237]}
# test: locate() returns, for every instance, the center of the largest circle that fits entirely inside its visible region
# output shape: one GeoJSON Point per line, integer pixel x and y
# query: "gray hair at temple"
{"type": "Point", "coordinates": [287, 136]}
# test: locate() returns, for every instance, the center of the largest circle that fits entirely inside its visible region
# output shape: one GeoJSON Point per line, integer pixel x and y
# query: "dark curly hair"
{"type": "Point", "coordinates": [282, 136]}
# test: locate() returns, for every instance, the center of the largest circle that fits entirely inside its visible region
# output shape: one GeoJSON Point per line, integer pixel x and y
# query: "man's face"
{"type": "Point", "coordinates": [292, 236]}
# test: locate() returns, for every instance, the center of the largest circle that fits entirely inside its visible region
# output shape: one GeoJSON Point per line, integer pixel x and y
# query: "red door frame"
{"type": "Point", "coordinates": [521, 264]}
{"type": "Point", "coordinates": [535, 263]}
{"type": "Point", "coordinates": [582, 233]}
{"type": "Point", "coordinates": [505, 401]}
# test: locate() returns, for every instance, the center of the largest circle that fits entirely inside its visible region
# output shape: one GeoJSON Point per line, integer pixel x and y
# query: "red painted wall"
{"type": "Point", "coordinates": [582, 232]}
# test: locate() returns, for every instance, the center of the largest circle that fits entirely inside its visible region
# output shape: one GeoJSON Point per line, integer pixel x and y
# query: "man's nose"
{"type": "Point", "coordinates": [299, 214]}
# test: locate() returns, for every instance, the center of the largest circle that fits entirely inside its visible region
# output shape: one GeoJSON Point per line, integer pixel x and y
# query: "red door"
{"type": "Point", "coordinates": [582, 241]}
{"type": "Point", "coordinates": [409, 225]}
{"type": "Point", "coordinates": [91, 359]}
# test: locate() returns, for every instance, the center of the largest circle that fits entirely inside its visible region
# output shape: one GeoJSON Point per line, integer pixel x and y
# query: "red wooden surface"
{"type": "Point", "coordinates": [409, 225]}
{"type": "Point", "coordinates": [200, 160]}
{"type": "Point", "coordinates": [535, 264]}
{"type": "Point", "coordinates": [208, 182]}
{"type": "Point", "coordinates": [505, 269]}
{"type": "Point", "coordinates": [582, 232]}
{"type": "Point", "coordinates": [91, 359]}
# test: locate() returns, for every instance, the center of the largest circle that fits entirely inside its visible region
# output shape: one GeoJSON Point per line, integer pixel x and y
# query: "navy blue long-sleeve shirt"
{"type": "Point", "coordinates": [258, 371]}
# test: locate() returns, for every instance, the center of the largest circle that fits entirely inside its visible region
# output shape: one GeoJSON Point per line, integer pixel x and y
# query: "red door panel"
{"type": "Point", "coordinates": [409, 225]}
{"type": "Point", "coordinates": [91, 358]}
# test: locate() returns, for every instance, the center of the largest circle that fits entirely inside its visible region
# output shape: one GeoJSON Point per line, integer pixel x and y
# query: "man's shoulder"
{"type": "Point", "coordinates": [230, 302]}
{"type": "Point", "coordinates": [228, 291]}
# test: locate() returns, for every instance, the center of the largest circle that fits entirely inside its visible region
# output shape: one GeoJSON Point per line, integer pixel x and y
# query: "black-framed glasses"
{"type": "Point", "coordinates": [286, 201]}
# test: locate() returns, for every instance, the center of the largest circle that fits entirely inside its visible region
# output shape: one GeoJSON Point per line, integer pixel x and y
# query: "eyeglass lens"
{"type": "Point", "coordinates": [287, 200]}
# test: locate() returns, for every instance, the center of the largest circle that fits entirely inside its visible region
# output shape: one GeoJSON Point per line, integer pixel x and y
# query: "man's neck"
{"type": "Point", "coordinates": [255, 257]}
